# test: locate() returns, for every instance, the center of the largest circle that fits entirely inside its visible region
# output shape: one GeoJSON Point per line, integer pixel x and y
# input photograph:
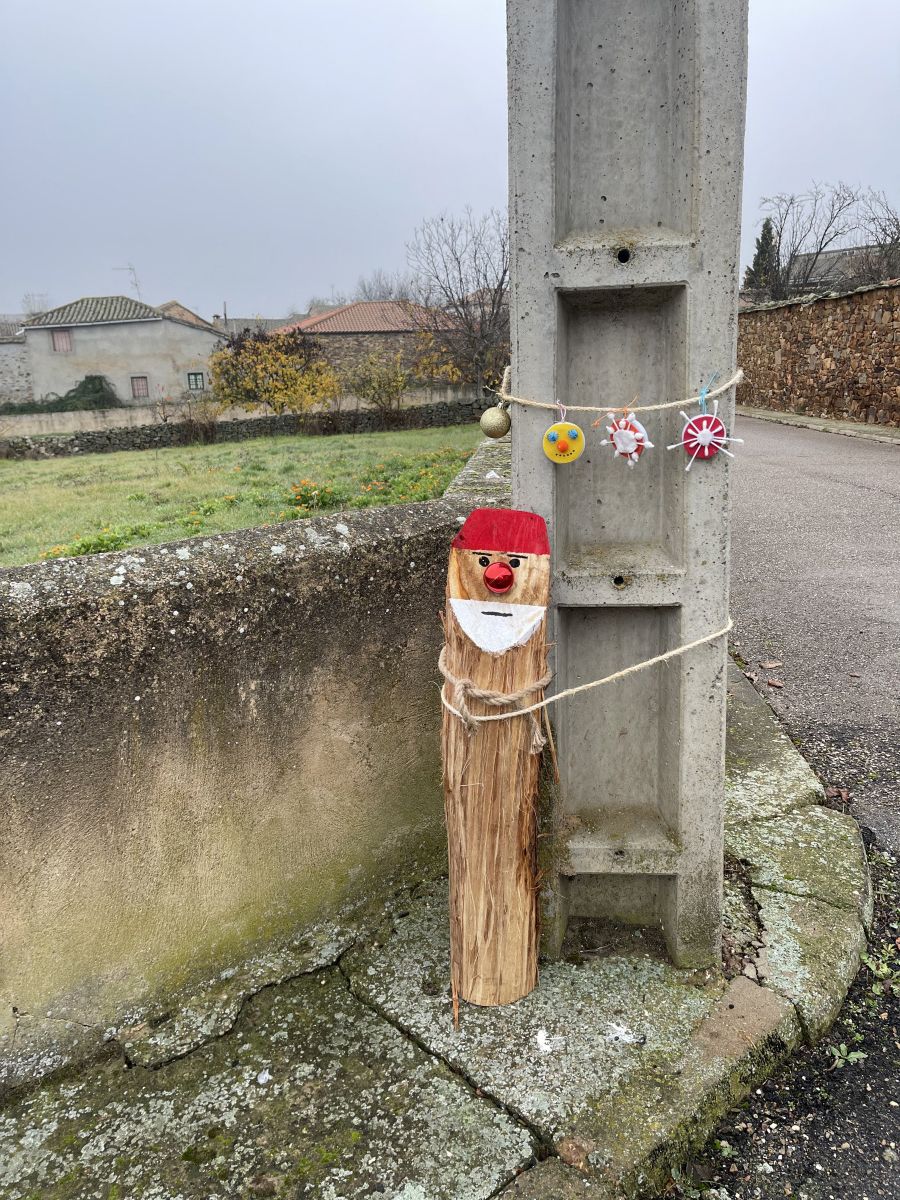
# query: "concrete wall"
{"type": "Point", "coordinates": [15, 376]}
{"type": "Point", "coordinates": [165, 351]}
{"type": "Point", "coordinates": [838, 356]}
{"type": "Point", "coordinates": [208, 747]}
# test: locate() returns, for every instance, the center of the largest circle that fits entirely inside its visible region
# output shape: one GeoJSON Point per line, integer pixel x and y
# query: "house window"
{"type": "Point", "coordinates": [195, 381]}
{"type": "Point", "coordinates": [140, 388]}
{"type": "Point", "coordinates": [61, 340]}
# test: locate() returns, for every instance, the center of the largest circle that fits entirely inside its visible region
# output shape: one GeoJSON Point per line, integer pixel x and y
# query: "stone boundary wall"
{"type": "Point", "coordinates": [345, 351]}
{"type": "Point", "coordinates": [831, 356]}
{"type": "Point", "coordinates": [155, 437]}
{"type": "Point", "coordinates": [216, 751]}
{"type": "Point", "coordinates": [15, 424]}
{"type": "Point", "coordinates": [15, 374]}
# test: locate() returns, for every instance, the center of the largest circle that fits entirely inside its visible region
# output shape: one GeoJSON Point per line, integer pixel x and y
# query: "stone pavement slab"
{"type": "Point", "coordinates": [813, 852]}
{"type": "Point", "coordinates": [764, 774]}
{"type": "Point", "coordinates": [311, 1094]}
{"type": "Point", "coordinates": [583, 1031]}
{"type": "Point", "coordinates": [614, 1061]}
{"type": "Point", "coordinates": [812, 953]}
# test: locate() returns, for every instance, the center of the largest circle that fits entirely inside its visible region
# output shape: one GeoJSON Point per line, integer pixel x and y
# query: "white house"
{"type": "Point", "coordinates": [146, 353]}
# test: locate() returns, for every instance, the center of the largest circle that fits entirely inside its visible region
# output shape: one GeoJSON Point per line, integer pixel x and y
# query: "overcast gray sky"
{"type": "Point", "coordinates": [264, 152]}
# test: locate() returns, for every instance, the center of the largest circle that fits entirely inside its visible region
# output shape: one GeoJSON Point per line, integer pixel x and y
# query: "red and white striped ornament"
{"type": "Point", "coordinates": [704, 435]}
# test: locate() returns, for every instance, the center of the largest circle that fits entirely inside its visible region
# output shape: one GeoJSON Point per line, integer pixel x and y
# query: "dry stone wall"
{"type": "Point", "coordinates": [15, 376]}
{"type": "Point", "coordinates": [834, 356]}
{"type": "Point", "coordinates": [347, 350]}
{"type": "Point", "coordinates": [178, 433]}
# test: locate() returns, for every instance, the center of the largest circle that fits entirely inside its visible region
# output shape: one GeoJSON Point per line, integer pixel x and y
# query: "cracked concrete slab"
{"type": "Point", "coordinates": [553, 1180]}
{"type": "Point", "coordinates": [210, 1010]}
{"type": "Point", "coordinates": [812, 953]}
{"type": "Point", "coordinates": [616, 1062]}
{"type": "Point", "coordinates": [814, 852]}
{"type": "Point", "coordinates": [311, 1094]}
{"type": "Point", "coordinates": [584, 1030]}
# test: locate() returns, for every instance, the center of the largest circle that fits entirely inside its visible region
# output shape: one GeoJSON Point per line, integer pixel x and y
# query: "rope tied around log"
{"type": "Point", "coordinates": [464, 687]}
{"type": "Point", "coordinates": [464, 690]}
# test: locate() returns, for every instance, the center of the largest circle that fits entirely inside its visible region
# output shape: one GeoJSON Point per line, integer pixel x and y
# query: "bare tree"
{"type": "Point", "coordinates": [382, 285]}
{"type": "Point", "coordinates": [320, 304]}
{"type": "Point", "coordinates": [805, 226]}
{"type": "Point", "coordinates": [34, 303]}
{"type": "Point", "coordinates": [880, 224]}
{"type": "Point", "coordinates": [460, 269]}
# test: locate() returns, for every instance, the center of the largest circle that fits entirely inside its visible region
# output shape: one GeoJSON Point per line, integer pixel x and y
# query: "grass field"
{"type": "Point", "coordinates": [69, 506]}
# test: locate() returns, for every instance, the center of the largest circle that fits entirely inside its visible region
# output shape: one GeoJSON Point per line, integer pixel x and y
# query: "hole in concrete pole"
{"type": "Point", "coordinates": [620, 581]}
{"type": "Point", "coordinates": [624, 255]}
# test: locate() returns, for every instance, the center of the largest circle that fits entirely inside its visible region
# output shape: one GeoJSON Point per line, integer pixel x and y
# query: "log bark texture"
{"type": "Point", "coordinates": [490, 795]}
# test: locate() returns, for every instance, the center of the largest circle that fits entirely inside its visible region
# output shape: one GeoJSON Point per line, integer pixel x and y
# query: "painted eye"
{"type": "Point", "coordinates": [552, 436]}
{"type": "Point", "coordinates": [573, 435]}
{"type": "Point", "coordinates": [515, 562]}
{"type": "Point", "coordinates": [484, 561]}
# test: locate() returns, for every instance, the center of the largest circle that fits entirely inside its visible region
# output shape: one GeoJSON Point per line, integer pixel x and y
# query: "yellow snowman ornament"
{"type": "Point", "coordinates": [563, 442]}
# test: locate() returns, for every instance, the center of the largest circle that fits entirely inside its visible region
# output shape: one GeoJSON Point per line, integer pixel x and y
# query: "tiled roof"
{"type": "Point", "coordinates": [96, 310]}
{"type": "Point", "coordinates": [365, 316]}
{"type": "Point", "coordinates": [177, 312]}
{"type": "Point", "coordinates": [236, 324]}
{"type": "Point", "coordinates": [11, 327]}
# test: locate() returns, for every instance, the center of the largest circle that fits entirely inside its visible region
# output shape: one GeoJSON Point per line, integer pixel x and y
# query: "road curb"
{"type": "Point", "coordinates": [823, 425]}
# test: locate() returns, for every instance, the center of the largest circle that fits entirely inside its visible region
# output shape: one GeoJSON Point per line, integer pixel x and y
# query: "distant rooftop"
{"type": "Point", "coordinates": [365, 316]}
{"type": "Point", "coordinates": [11, 327]}
{"type": "Point", "coordinates": [178, 312]}
{"type": "Point", "coordinates": [96, 310]}
{"type": "Point", "coordinates": [111, 310]}
{"type": "Point", "coordinates": [236, 324]}
{"type": "Point", "coordinates": [832, 268]}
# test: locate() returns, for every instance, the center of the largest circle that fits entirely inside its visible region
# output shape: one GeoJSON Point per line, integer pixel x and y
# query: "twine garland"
{"type": "Point", "coordinates": [464, 687]}
{"type": "Point", "coordinates": [507, 398]}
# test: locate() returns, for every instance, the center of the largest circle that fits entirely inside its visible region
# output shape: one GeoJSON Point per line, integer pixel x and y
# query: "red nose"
{"type": "Point", "coordinates": [499, 577]}
{"type": "Point", "coordinates": [563, 446]}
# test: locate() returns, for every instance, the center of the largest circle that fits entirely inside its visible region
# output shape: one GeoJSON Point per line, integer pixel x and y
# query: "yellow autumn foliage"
{"type": "Point", "coordinates": [282, 371]}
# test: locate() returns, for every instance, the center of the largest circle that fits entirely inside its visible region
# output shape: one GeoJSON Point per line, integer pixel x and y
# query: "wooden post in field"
{"type": "Point", "coordinates": [495, 624]}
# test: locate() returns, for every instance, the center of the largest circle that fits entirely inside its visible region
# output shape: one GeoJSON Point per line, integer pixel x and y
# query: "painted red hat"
{"type": "Point", "coordinates": [510, 530]}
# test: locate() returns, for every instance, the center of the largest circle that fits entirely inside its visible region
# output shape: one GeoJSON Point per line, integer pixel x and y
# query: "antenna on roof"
{"type": "Point", "coordinates": [135, 282]}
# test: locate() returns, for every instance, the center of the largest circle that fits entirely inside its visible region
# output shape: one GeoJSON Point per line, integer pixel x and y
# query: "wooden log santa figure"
{"type": "Point", "coordinates": [494, 662]}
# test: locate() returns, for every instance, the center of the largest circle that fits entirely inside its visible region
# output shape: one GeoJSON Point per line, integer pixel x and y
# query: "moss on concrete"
{"type": "Point", "coordinates": [764, 775]}
{"type": "Point", "coordinates": [310, 1095]}
{"type": "Point", "coordinates": [579, 1035]}
{"type": "Point", "coordinates": [812, 953]}
{"type": "Point", "coordinates": [813, 852]}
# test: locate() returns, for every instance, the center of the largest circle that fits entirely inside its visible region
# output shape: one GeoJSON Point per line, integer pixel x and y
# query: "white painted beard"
{"type": "Point", "coordinates": [495, 627]}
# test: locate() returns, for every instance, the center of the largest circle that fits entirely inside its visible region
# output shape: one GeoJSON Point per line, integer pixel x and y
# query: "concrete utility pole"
{"type": "Point", "coordinates": [626, 155]}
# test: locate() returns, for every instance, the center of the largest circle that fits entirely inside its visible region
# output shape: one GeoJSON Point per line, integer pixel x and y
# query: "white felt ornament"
{"type": "Point", "coordinates": [628, 437]}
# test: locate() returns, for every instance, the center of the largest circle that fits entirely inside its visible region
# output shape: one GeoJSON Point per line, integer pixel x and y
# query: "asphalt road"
{"type": "Point", "coordinates": [816, 586]}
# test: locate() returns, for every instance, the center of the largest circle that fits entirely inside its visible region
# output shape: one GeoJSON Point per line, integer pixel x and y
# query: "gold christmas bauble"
{"type": "Point", "coordinates": [495, 422]}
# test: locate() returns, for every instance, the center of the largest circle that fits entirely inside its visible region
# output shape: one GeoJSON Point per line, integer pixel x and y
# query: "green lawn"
{"type": "Point", "coordinates": [82, 505]}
